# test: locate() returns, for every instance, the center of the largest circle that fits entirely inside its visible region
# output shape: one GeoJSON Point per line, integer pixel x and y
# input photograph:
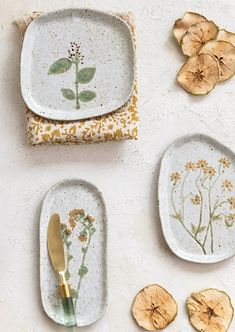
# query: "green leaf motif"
{"type": "Point", "coordinates": [60, 66]}
{"type": "Point", "coordinates": [74, 293]}
{"type": "Point", "coordinates": [229, 223]}
{"type": "Point", "coordinates": [176, 216]}
{"type": "Point", "coordinates": [85, 75]}
{"type": "Point", "coordinates": [68, 94]}
{"type": "Point", "coordinates": [67, 275]}
{"type": "Point", "coordinates": [194, 229]}
{"type": "Point", "coordinates": [70, 257]}
{"type": "Point", "coordinates": [218, 217]}
{"type": "Point", "coordinates": [202, 229]}
{"type": "Point", "coordinates": [84, 250]}
{"type": "Point", "coordinates": [69, 244]}
{"type": "Point", "coordinates": [83, 270]}
{"type": "Point", "coordinates": [86, 96]}
{"type": "Point", "coordinates": [93, 230]}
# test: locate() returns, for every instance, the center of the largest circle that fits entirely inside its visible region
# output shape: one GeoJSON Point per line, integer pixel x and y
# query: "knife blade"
{"type": "Point", "coordinates": [57, 255]}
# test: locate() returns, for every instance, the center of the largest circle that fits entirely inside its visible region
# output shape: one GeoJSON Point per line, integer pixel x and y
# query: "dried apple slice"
{"type": "Point", "coordinates": [154, 308]}
{"type": "Point", "coordinates": [226, 36]}
{"type": "Point", "coordinates": [197, 35]}
{"type": "Point", "coordinates": [224, 52]}
{"type": "Point", "coordinates": [210, 311]}
{"type": "Point", "coordinates": [199, 75]}
{"type": "Point", "coordinates": [181, 25]}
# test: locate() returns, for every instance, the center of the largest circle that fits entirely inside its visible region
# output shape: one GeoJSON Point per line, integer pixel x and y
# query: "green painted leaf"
{"type": "Point", "coordinates": [84, 250]}
{"type": "Point", "coordinates": [93, 230]}
{"type": "Point", "coordinates": [202, 229]}
{"type": "Point", "coordinates": [229, 223]}
{"type": "Point", "coordinates": [83, 270]}
{"type": "Point", "coordinates": [70, 257]}
{"type": "Point", "coordinates": [68, 94]}
{"type": "Point", "coordinates": [85, 75]}
{"type": "Point", "coordinates": [193, 228]}
{"type": "Point", "coordinates": [176, 216]}
{"type": "Point", "coordinates": [87, 95]}
{"type": "Point", "coordinates": [60, 66]}
{"type": "Point", "coordinates": [74, 293]}
{"type": "Point", "coordinates": [218, 217]}
{"type": "Point", "coordinates": [69, 244]}
{"type": "Point", "coordinates": [67, 275]}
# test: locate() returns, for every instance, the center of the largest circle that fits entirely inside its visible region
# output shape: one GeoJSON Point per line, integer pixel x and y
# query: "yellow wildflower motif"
{"type": "Point", "coordinates": [210, 171]}
{"type": "Point", "coordinates": [82, 238]}
{"type": "Point", "coordinates": [55, 133]}
{"type": "Point", "coordinates": [231, 201]}
{"type": "Point", "coordinates": [201, 163]}
{"type": "Point", "coordinates": [189, 166]}
{"type": "Point", "coordinates": [196, 200]}
{"type": "Point", "coordinates": [227, 185]}
{"type": "Point", "coordinates": [175, 176]}
{"type": "Point", "coordinates": [224, 162]}
{"type": "Point", "coordinates": [45, 137]}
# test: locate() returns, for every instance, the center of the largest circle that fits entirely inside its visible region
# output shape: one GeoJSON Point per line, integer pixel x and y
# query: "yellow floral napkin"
{"type": "Point", "coordinates": [120, 124]}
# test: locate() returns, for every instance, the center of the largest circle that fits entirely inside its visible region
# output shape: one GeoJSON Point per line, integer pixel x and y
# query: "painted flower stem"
{"type": "Point", "coordinates": [76, 84]}
{"type": "Point", "coordinates": [182, 223]}
{"type": "Point", "coordinates": [82, 264]}
{"type": "Point", "coordinates": [201, 205]}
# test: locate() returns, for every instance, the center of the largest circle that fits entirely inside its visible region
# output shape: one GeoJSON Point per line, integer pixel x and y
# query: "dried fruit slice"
{"type": "Point", "coordinates": [182, 24]}
{"type": "Point", "coordinates": [154, 308]}
{"type": "Point", "coordinates": [226, 36]}
{"type": "Point", "coordinates": [210, 311]}
{"type": "Point", "coordinates": [199, 74]}
{"type": "Point", "coordinates": [197, 35]}
{"type": "Point", "coordinates": [224, 52]}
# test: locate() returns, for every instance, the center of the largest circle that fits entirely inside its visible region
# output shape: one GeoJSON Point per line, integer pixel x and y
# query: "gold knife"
{"type": "Point", "coordinates": [56, 252]}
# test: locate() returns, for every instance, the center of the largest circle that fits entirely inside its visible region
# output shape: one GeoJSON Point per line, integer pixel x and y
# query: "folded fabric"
{"type": "Point", "coordinates": [118, 125]}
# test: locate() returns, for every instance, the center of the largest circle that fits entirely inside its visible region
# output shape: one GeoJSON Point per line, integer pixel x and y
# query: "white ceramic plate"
{"type": "Point", "coordinates": [77, 202]}
{"type": "Point", "coordinates": [197, 199]}
{"type": "Point", "coordinates": [76, 64]}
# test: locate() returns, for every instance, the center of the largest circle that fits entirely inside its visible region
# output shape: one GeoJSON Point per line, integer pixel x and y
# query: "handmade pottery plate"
{"type": "Point", "coordinates": [197, 199]}
{"type": "Point", "coordinates": [79, 204]}
{"type": "Point", "coordinates": [76, 64]}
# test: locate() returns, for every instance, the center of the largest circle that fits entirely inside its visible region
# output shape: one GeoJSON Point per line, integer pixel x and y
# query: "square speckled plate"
{"type": "Point", "coordinates": [197, 199]}
{"type": "Point", "coordinates": [77, 64]}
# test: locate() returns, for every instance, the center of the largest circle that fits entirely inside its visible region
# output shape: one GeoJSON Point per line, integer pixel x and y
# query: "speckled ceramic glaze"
{"type": "Point", "coordinates": [197, 199]}
{"type": "Point", "coordinates": [77, 64]}
{"type": "Point", "coordinates": [83, 228]}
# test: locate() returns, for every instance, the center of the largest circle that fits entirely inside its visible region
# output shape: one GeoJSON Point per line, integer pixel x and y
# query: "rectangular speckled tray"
{"type": "Point", "coordinates": [83, 219]}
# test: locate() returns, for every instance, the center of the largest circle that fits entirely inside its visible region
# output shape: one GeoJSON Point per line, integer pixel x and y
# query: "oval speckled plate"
{"type": "Point", "coordinates": [197, 199]}
{"type": "Point", "coordinates": [83, 218]}
{"type": "Point", "coordinates": [76, 64]}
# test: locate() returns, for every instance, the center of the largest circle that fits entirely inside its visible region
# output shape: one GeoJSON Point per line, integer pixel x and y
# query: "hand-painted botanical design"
{"type": "Point", "coordinates": [79, 227]}
{"type": "Point", "coordinates": [211, 195]}
{"type": "Point", "coordinates": [82, 76]}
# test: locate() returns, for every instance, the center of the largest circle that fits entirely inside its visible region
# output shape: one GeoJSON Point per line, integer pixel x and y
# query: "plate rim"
{"type": "Point", "coordinates": [52, 188]}
{"type": "Point", "coordinates": [181, 254]}
{"type": "Point", "coordinates": [23, 64]}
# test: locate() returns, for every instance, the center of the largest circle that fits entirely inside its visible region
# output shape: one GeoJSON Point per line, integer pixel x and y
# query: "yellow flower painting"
{"type": "Point", "coordinates": [208, 199]}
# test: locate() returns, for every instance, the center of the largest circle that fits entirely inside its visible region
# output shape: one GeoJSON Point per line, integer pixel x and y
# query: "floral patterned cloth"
{"type": "Point", "coordinates": [118, 125]}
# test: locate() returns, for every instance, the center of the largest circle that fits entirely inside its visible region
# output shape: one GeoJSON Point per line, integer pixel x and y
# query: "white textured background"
{"type": "Point", "coordinates": [126, 172]}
